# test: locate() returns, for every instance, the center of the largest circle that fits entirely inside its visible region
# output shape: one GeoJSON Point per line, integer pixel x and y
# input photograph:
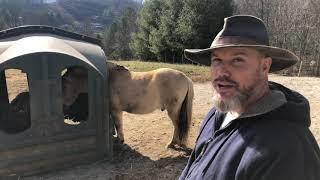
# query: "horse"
{"type": "Point", "coordinates": [140, 93]}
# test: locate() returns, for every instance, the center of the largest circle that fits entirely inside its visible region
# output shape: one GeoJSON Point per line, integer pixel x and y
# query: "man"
{"type": "Point", "coordinates": [257, 130]}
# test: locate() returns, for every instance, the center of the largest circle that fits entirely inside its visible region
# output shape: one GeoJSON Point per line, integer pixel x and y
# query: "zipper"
{"type": "Point", "coordinates": [204, 148]}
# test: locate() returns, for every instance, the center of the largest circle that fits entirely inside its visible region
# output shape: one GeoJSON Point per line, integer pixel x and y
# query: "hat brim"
{"type": "Point", "coordinates": [281, 58]}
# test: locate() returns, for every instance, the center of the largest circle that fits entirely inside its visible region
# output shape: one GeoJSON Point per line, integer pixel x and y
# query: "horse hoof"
{"type": "Point", "coordinates": [178, 147]}
{"type": "Point", "coordinates": [170, 146]}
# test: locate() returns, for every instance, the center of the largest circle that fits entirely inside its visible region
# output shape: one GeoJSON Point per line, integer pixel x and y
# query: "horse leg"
{"type": "Point", "coordinates": [174, 116]}
{"type": "Point", "coordinates": [181, 119]}
{"type": "Point", "coordinates": [117, 118]}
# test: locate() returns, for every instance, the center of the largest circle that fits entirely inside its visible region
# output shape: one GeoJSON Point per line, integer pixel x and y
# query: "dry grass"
{"type": "Point", "coordinates": [195, 72]}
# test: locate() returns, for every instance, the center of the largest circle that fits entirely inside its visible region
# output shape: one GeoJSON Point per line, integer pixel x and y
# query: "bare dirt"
{"type": "Point", "coordinates": [144, 156]}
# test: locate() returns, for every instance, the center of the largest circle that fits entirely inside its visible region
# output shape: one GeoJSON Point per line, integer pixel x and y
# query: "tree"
{"type": "Point", "coordinates": [110, 40]}
{"type": "Point", "coordinates": [293, 25]}
{"type": "Point", "coordinates": [87, 28]}
{"type": "Point", "coordinates": [167, 27]}
{"type": "Point", "coordinates": [164, 40]}
{"type": "Point", "coordinates": [11, 13]}
{"type": "Point", "coordinates": [118, 37]}
{"type": "Point", "coordinates": [200, 21]}
{"type": "Point", "coordinates": [147, 22]}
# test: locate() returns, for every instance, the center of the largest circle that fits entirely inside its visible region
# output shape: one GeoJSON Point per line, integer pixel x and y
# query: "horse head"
{"type": "Point", "coordinates": [74, 82]}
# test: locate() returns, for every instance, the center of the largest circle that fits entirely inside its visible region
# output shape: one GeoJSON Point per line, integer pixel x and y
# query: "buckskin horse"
{"type": "Point", "coordinates": [140, 93]}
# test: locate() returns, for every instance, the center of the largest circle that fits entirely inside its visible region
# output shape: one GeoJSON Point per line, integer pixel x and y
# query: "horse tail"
{"type": "Point", "coordinates": [185, 114]}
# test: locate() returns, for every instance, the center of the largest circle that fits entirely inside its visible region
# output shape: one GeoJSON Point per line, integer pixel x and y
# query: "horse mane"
{"type": "Point", "coordinates": [80, 72]}
{"type": "Point", "coordinates": [117, 71]}
{"type": "Point", "coordinates": [116, 67]}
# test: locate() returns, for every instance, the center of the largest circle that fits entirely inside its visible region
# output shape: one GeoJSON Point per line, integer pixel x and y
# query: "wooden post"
{"type": "Point", "coordinates": [317, 74]}
{"type": "Point", "coordinates": [301, 62]}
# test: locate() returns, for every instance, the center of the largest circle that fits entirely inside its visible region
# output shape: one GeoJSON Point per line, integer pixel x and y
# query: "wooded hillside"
{"type": "Point", "coordinates": [75, 15]}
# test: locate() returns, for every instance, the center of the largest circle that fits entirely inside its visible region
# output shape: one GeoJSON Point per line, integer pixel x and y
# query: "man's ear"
{"type": "Point", "coordinates": [266, 64]}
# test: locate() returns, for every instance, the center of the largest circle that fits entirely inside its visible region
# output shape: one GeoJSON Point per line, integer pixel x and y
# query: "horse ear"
{"type": "Point", "coordinates": [121, 68]}
{"type": "Point", "coordinates": [116, 67]}
{"type": "Point", "coordinates": [111, 66]}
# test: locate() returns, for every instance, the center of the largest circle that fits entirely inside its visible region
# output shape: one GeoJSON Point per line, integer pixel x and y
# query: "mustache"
{"type": "Point", "coordinates": [224, 79]}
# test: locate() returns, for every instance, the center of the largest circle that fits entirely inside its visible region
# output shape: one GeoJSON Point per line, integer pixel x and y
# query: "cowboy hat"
{"type": "Point", "coordinates": [244, 31]}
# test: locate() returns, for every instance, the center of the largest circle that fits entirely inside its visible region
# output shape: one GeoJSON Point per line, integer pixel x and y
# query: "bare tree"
{"type": "Point", "coordinates": [292, 24]}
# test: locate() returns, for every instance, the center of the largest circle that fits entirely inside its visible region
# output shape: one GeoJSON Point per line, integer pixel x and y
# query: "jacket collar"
{"type": "Point", "coordinates": [272, 100]}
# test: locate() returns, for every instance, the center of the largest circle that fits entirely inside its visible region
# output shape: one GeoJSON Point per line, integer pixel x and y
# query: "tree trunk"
{"type": "Point", "coordinates": [173, 58]}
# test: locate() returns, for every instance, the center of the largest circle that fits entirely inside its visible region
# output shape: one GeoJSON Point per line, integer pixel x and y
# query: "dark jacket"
{"type": "Point", "coordinates": [272, 144]}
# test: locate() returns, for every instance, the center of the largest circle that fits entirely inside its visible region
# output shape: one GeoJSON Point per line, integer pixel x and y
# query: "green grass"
{"type": "Point", "coordinates": [195, 72]}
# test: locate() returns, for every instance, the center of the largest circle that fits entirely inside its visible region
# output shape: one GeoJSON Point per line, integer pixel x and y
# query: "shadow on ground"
{"type": "Point", "coordinates": [127, 164]}
{"type": "Point", "coordinates": [131, 164]}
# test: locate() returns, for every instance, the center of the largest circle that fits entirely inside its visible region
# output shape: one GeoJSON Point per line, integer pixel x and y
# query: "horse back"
{"type": "Point", "coordinates": [143, 92]}
{"type": "Point", "coordinates": [171, 80]}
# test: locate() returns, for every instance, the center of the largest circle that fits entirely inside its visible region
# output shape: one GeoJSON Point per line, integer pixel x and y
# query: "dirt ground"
{"type": "Point", "coordinates": [144, 156]}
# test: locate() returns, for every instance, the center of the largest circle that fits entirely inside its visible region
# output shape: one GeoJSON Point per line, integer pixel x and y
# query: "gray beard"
{"type": "Point", "coordinates": [232, 104]}
{"type": "Point", "coordinates": [240, 99]}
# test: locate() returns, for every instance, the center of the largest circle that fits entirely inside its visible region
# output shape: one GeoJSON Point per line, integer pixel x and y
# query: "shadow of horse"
{"type": "Point", "coordinates": [131, 164]}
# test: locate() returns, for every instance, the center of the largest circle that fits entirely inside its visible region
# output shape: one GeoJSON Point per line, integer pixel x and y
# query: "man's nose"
{"type": "Point", "coordinates": [223, 70]}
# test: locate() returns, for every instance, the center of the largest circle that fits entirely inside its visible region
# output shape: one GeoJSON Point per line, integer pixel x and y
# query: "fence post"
{"type": "Point", "coordinates": [301, 62]}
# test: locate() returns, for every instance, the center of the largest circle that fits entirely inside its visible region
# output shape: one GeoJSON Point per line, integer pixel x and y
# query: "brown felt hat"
{"type": "Point", "coordinates": [244, 31]}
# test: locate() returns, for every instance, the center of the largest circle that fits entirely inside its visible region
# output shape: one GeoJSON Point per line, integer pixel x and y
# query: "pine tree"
{"type": "Point", "coordinates": [201, 20]}
{"type": "Point", "coordinates": [167, 27]}
{"type": "Point", "coordinates": [110, 40]}
{"type": "Point", "coordinates": [126, 27]}
{"type": "Point", "coordinates": [148, 22]}
{"type": "Point", "coordinates": [118, 36]}
{"type": "Point", "coordinates": [165, 42]}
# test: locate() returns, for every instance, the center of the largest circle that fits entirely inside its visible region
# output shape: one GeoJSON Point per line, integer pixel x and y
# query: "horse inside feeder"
{"type": "Point", "coordinates": [42, 140]}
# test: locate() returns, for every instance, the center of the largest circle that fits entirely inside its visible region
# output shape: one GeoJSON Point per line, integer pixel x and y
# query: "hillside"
{"type": "Point", "coordinates": [102, 12]}
{"type": "Point", "coordinates": [51, 14]}
{"type": "Point", "coordinates": [73, 15]}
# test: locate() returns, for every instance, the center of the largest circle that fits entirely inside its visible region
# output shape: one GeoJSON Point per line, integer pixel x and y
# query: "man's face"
{"type": "Point", "coordinates": [238, 75]}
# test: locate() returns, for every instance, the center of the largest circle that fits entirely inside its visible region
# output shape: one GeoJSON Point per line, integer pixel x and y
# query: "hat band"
{"type": "Point", "coordinates": [233, 40]}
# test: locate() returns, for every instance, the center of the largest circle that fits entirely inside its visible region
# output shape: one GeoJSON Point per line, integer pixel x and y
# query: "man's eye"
{"type": "Point", "coordinates": [215, 61]}
{"type": "Point", "coordinates": [237, 60]}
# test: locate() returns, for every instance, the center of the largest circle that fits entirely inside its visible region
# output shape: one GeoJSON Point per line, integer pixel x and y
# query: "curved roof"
{"type": "Point", "coordinates": [28, 40]}
{"type": "Point", "coordinates": [31, 29]}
